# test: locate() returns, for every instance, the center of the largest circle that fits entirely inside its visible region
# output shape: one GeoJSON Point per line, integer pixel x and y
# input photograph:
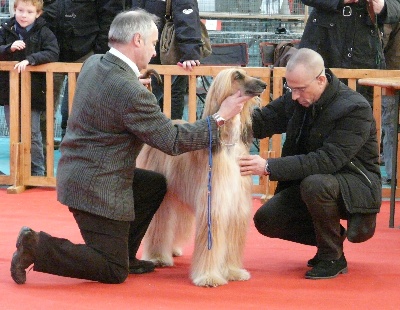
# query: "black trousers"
{"type": "Point", "coordinates": [310, 213]}
{"type": "Point", "coordinates": [109, 244]}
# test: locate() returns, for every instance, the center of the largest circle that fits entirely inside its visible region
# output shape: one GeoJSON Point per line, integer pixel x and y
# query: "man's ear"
{"type": "Point", "coordinates": [137, 39]}
{"type": "Point", "coordinates": [321, 79]}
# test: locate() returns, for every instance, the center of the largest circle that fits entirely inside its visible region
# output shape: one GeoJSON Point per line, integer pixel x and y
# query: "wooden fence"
{"type": "Point", "coordinates": [20, 114]}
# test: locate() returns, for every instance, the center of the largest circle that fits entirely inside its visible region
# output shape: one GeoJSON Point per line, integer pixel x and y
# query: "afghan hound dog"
{"type": "Point", "coordinates": [219, 206]}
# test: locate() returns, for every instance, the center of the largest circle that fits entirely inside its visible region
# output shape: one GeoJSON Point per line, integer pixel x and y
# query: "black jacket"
{"type": "Point", "coordinates": [344, 34]}
{"type": "Point", "coordinates": [187, 25]}
{"type": "Point", "coordinates": [81, 26]}
{"type": "Point", "coordinates": [336, 135]}
{"type": "Point", "coordinates": [41, 47]}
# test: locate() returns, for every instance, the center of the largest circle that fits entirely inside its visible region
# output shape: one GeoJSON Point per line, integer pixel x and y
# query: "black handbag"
{"type": "Point", "coordinates": [169, 51]}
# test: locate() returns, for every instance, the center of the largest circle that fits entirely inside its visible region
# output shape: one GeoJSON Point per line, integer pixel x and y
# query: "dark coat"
{"type": "Point", "coordinates": [41, 47]}
{"type": "Point", "coordinates": [339, 138]}
{"type": "Point", "coordinates": [187, 26]}
{"type": "Point", "coordinates": [112, 115]}
{"type": "Point", "coordinates": [392, 46]}
{"type": "Point", "coordinates": [81, 27]}
{"type": "Point", "coordinates": [345, 36]}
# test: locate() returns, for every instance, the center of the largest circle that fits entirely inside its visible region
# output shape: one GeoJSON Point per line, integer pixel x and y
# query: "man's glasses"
{"type": "Point", "coordinates": [301, 89]}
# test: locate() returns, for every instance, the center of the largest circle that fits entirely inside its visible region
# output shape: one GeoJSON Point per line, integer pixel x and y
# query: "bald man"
{"type": "Point", "coordinates": [329, 169]}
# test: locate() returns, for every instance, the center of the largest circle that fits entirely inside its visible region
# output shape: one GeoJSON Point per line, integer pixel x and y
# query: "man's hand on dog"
{"type": "Point", "coordinates": [252, 165]}
{"type": "Point", "coordinates": [232, 105]}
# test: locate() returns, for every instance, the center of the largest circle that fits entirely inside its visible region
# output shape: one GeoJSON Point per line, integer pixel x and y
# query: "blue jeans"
{"type": "Point", "coordinates": [64, 109]}
{"type": "Point", "coordinates": [37, 156]}
{"type": "Point", "coordinates": [388, 110]}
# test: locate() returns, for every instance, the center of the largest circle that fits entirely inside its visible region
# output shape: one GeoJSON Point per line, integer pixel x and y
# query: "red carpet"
{"type": "Point", "coordinates": [277, 268]}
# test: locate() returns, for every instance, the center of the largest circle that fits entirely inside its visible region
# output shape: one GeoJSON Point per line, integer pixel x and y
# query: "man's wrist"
{"type": "Point", "coordinates": [267, 171]}
{"type": "Point", "coordinates": [220, 121]}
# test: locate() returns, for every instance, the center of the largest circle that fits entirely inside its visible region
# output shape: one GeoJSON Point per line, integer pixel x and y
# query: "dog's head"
{"type": "Point", "coordinates": [227, 83]}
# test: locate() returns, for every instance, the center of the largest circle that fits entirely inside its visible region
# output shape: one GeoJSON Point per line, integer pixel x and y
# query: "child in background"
{"type": "Point", "coordinates": [26, 38]}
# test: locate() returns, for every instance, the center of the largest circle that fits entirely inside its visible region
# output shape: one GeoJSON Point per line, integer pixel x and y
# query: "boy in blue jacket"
{"type": "Point", "coordinates": [26, 38]}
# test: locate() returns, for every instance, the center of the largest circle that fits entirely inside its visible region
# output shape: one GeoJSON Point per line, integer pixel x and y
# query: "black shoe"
{"type": "Point", "coordinates": [327, 269]}
{"type": "Point", "coordinates": [25, 254]}
{"type": "Point", "coordinates": [313, 261]}
{"type": "Point", "coordinates": [138, 266]}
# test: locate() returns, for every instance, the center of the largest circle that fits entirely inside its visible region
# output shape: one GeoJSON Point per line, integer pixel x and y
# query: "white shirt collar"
{"type": "Point", "coordinates": [129, 62]}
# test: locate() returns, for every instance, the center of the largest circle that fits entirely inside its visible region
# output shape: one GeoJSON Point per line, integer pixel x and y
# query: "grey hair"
{"type": "Point", "coordinates": [126, 24]}
{"type": "Point", "coordinates": [308, 58]}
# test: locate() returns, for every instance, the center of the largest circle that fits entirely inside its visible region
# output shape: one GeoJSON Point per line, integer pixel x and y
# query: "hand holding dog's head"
{"type": "Point", "coordinates": [231, 91]}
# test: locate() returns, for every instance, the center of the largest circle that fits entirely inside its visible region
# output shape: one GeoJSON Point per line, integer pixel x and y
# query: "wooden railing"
{"type": "Point", "coordinates": [20, 120]}
{"type": "Point", "coordinates": [20, 135]}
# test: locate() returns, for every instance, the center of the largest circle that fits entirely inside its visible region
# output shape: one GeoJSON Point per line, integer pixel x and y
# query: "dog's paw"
{"type": "Point", "coordinates": [238, 275]}
{"type": "Point", "coordinates": [177, 252]}
{"type": "Point", "coordinates": [209, 280]}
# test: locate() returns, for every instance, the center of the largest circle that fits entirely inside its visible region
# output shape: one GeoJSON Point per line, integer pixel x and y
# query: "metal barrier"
{"type": "Point", "coordinates": [20, 124]}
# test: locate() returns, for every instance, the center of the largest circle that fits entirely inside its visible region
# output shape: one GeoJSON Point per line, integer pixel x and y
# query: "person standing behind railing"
{"type": "Point", "coordinates": [392, 57]}
{"type": "Point", "coordinates": [26, 38]}
{"type": "Point", "coordinates": [81, 28]}
{"type": "Point", "coordinates": [348, 33]}
{"type": "Point", "coordinates": [187, 24]}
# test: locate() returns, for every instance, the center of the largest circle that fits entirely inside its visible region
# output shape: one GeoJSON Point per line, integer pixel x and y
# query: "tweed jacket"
{"type": "Point", "coordinates": [113, 114]}
{"type": "Point", "coordinates": [336, 135]}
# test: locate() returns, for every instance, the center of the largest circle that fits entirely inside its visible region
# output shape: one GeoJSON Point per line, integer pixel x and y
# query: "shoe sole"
{"type": "Point", "coordinates": [343, 271]}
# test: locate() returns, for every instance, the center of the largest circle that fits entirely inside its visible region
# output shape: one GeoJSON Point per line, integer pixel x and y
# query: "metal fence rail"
{"type": "Point", "coordinates": [253, 40]}
{"type": "Point", "coordinates": [267, 7]}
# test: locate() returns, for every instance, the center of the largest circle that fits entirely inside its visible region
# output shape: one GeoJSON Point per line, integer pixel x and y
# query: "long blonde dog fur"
{"type": "Point", "coordinates": [187, 195]}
